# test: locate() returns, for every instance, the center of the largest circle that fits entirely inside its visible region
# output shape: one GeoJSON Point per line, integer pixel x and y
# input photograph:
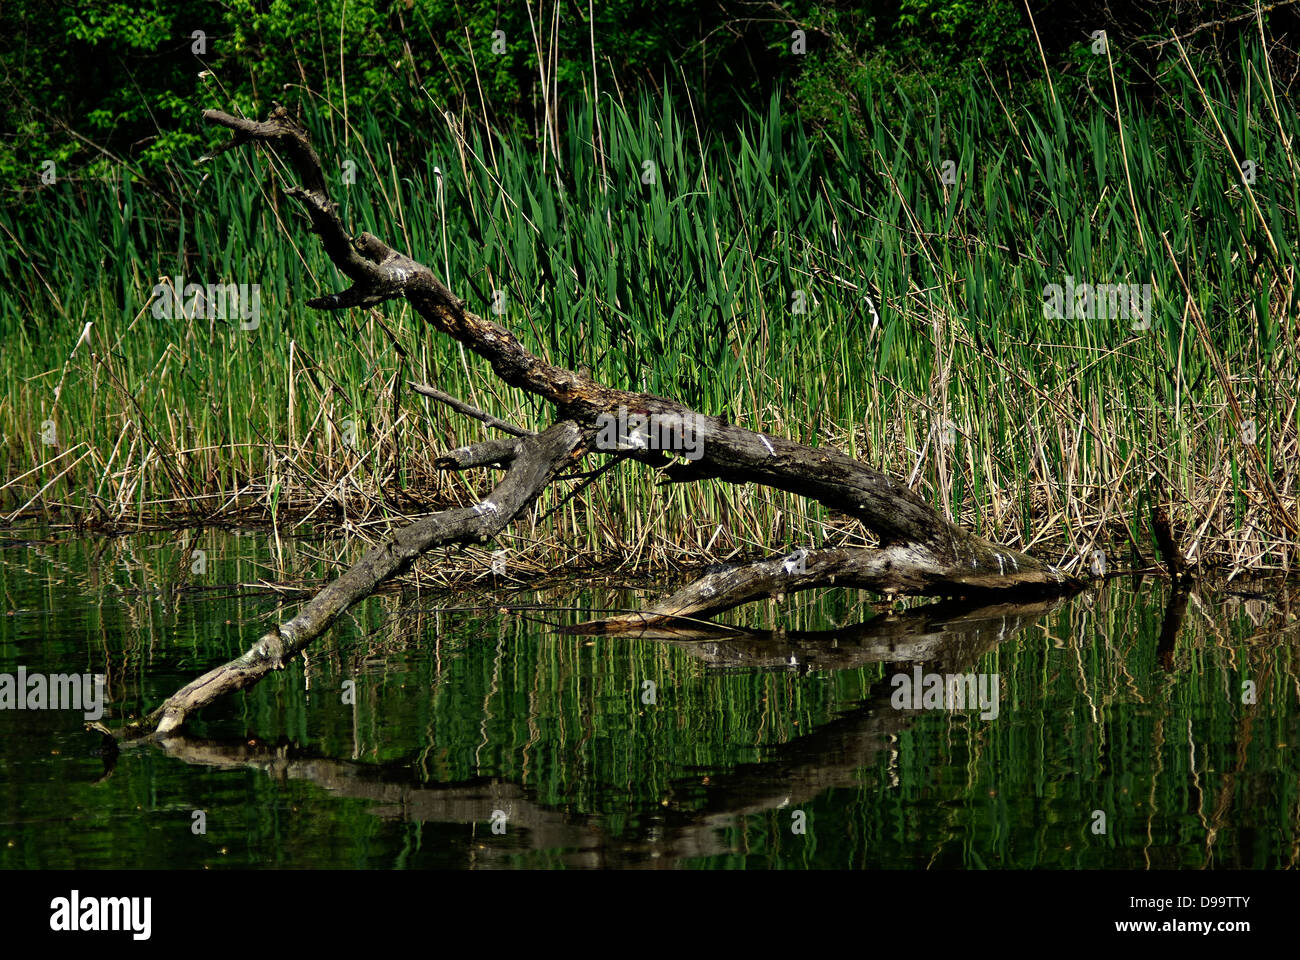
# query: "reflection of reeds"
{"type": "Point", "coordinates": [1098, 711]}
{"type": "Point", "coordinates": [922, 346]}
{"type": "Point", "coordinates": [460, 712]}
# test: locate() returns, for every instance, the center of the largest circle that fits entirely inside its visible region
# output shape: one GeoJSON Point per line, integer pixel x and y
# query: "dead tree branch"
{"type": "Point", "coordinates": [460, 406]}
{"type": "Point", "coordinates": [727, 452]}
{"type": "Point", "coordinates": [535, 463]}
{"type": "Point", "coordinates": [922, 553]}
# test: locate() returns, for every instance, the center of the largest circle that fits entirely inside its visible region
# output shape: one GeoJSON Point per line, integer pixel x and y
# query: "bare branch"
{"type": "Point", "coordinates": [461, 406]}
{"type": "Point", "coordinates": [483, 454]}
{"type": "Point", "coordinates": [538, 460]}
{"type": "Point", "coordinates": [899, 569]}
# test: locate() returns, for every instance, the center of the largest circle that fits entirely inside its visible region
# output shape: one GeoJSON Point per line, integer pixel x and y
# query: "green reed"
{"type": "Point", "coordinates": [884, 294]}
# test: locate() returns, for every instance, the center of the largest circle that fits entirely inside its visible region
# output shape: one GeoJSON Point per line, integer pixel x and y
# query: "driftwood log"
{"type": "Point", "coordinates": [921, 552]}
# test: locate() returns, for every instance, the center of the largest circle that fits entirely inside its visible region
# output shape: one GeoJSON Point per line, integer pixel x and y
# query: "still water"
{"type": "Point", "coordinates": [1132, 728]}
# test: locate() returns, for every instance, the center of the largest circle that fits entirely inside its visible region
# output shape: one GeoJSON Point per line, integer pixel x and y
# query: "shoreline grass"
{"type": "Point", "coordinates": [829, 288]}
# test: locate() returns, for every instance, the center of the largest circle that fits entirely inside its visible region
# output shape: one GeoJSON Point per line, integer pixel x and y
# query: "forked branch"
{"type": "Point", "coordinates": [534, 463]}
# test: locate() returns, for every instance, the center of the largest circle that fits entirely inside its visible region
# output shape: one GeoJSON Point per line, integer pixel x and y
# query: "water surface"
{"type": "Point", "coordinates": [471, 737]}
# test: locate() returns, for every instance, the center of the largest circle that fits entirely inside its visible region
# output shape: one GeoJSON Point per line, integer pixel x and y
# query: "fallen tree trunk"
{"type": "Point", "coordinates": [921, 552]}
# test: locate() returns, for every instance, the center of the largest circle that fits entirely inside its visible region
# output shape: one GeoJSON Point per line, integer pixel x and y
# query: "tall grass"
{"type": "Point", "coordinates": [827, 287]}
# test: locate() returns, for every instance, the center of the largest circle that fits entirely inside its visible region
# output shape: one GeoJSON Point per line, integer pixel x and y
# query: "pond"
{"type": "Point", "coordinates": [1127, 728]}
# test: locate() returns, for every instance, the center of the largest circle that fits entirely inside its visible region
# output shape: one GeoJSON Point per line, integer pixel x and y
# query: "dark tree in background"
{"type": "Point", "coordinates": [103, 83]}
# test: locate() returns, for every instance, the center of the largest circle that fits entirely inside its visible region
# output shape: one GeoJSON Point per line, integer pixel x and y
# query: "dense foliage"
{"type": "Point", "coordinates": [97, 83]}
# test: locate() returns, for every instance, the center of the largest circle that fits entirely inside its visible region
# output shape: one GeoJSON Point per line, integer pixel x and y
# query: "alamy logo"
{"type": "Point", "coordinates": [75, 913]}
{"type": "Point", "coordinates": [945, 691]}
{"type": "Point", "coordinates": [212, 301]}
{"type": "Point", "coordinates": [58, 691]}
{"type": "Point", "coordinates": [1102, 301]}
{"type": "Point", "coordinates": [673, 432]}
